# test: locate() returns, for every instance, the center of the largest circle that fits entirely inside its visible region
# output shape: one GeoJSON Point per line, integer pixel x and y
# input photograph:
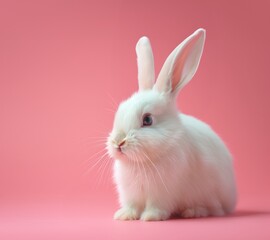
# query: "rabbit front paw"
{"type": "Point", "coordinates": [126, 213]}
{"type": "Point", "coordinates": [154, 214]}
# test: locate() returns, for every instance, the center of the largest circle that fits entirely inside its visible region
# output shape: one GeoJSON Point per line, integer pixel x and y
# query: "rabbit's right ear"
{"type": "Point", "coordinates": [145, 61]}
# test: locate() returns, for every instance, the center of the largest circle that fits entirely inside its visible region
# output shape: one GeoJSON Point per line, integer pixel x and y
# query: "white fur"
{"type": "Point", "coordinates": [178, 165]}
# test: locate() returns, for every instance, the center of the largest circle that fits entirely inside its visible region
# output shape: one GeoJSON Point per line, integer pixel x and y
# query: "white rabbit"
{"type": "Point", "coordinates": [168, 163]}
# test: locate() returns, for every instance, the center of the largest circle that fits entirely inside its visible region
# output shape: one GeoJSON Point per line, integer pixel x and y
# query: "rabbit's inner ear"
{"type": "Point", "coordinates": [145, 61]}
{"type": "Point", "coordinates": [181, 65]}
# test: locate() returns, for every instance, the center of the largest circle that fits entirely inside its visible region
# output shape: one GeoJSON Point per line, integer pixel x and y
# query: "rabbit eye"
{"type": "Point", "coordinates": [147, 120]}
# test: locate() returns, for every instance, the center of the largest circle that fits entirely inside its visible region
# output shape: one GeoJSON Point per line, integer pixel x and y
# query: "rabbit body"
{"type": "Point", "coordinates": [166, 162]}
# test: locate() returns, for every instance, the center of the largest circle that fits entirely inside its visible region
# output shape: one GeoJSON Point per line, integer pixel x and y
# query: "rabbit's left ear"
{"type": "Point", "coordinates": [181, 65]}
{"type": "Point", "coordinates": [145, 60]}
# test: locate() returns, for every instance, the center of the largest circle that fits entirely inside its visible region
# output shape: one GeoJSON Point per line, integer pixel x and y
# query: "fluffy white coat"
{"type": "Point", "coordinates": [178, 164]}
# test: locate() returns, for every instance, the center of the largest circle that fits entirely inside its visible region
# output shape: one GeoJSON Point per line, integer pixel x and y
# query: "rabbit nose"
{"type": "Point", "coordinates": [122, 143]}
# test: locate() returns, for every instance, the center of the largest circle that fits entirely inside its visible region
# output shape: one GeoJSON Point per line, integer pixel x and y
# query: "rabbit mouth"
{"type": "Point", "coordinates": [119, 150]}
{"type": "Point", "coordinates": [116, 151]}
{"type": "Point", "coordinates": [116, 147]}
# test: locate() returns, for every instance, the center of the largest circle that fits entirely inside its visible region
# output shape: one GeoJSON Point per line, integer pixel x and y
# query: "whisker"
{"type": "Point", "coordinates": [103, 170]}
{"type": "Point", "coordinates": [151, 170]}
{"type": "Point", "coordinates": [100, 159]}
{"type": "Point", "coordinates": [132, 172]}
{"type": "Point", "coordinates": [148, 184]}
{"type": "Point", "coordinates": [99, 170]}
{"type": "Point", "coordinates": [96, 137]}
{"type": "Point", "coordinates": [97, 142]}
{"type": "Point", "coordinates": [138, 166]}
{"type": "Point", "coordinates": [114, 104]}
{"type": "Point", "coordinates": [96, 153]}
{"type": "Point", "coordinates": [94, 141]}
{"type": "Point", "coordinates": [86, 163]}
{"type": "Point", "coordinates": [108, 174]}
{"type": "Point", "coordinates": [96, 131]}
{"type": "Point", "coordinates": [156, 171]}
{"type": "Point", "coordinates": [88, 160]}
{"type": "Point", "coordinates": [110, 110]}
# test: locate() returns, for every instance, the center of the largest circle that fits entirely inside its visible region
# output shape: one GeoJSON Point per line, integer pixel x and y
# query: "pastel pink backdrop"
{"type": "Point", "coordinates": [64, 65]}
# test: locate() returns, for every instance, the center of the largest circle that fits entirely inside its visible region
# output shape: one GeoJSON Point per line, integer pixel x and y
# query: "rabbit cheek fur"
{"type": "Point", "coordinates": [178, 164]}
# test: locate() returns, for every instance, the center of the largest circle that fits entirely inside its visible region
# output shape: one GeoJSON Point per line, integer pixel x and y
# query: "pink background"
{"type": "Point", "coordinates": [64, 65]}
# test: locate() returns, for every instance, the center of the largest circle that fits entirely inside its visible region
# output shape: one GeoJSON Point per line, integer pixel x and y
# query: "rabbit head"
{"type": "Point", "coordinates": [149, 120]}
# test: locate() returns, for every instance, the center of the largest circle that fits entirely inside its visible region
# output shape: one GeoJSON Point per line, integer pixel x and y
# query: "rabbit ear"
{"type": "Point", "coordinates": [181, 65]}
{"type": "Point", "coordinates": [145, 60]}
